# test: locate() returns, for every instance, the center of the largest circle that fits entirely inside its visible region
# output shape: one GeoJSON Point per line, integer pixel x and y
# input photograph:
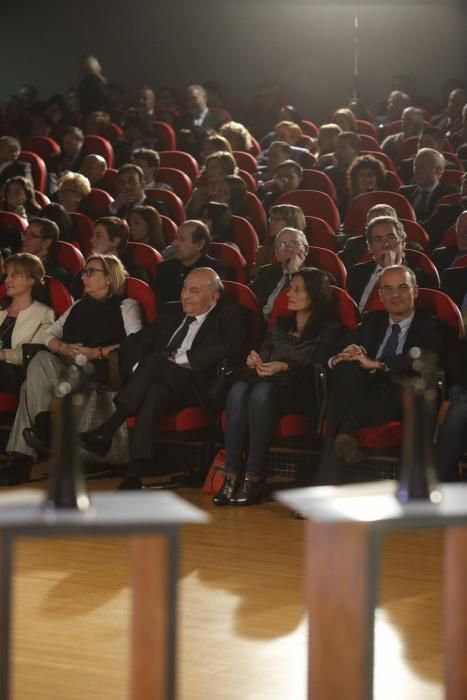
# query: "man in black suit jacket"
{"type": "Point", "coordinates": [445, 256]}
{"type": "Point", "coordinates": [172, 364]}
{"type": "Point", "coordinates": [386, 242]}
{"type": "Point", "coordinates": [198, 121]}
{"type": "Point", "coordinates": [428, 189]}
{"type": "Point", "coordinates": [190, 245]}
{"type": "Point", "coordinates": [445, 216]}
{"type": "Point", "coordinates": [291, 249]}
{"type": "Point", "coordinates": [363, 390]}
{"type": "Point", "coordinates": [454, 284]}
{"type": "Point", "coordinates": [131, 193]}
{"type": "Point", "coordinates": [10, 166]}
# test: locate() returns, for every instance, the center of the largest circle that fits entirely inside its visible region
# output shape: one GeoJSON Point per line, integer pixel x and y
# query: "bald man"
{"type": "Point", "coordinates": [172, 364]}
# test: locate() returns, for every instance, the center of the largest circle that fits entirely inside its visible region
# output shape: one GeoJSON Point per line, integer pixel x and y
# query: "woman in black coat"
{"type": "Point", "coordinates": [278, 379]}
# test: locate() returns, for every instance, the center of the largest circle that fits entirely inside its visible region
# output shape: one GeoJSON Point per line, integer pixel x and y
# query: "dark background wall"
{"type": "Point", "coordinates": [307, 46]}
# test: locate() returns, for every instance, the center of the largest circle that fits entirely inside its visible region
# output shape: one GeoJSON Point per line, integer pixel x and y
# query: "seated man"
{"type": "Point", "coordinates": [149, 161]}
{"type": "Point", "coordinates": [428, 189]}
{"type": "Point", "coordinates": [197, 112]}
{"type": "Point", "coordinates": [172, 364]}
{"type": "Point", "coordinates": [131, 194]}
{"type": "Point", "coordinates": [10, 166]}
{"type": "Point", "coordinates": [446, 256]}
{"type": "Point", "coordinates": [454, 284]}
{"type": "Point", "coordinates": [70, 157]}
{"type": "Point", "coordinates": [268, 161]}
{"type": "Point", "coordinates": [291, 249]}
{"type": "Point", "coordinates": [396, 103]}
{"type": "Point", "coordinates": [94, 167]}
{"type": "Point", "coordinates": [386, 242]}
{"type": "Point", "coordinates": [287, 178]}
{"type": "Point", "coordinates": [363, 391]}
{"type": "Point", "coordinates": [412, 125]}
{"type": "Point", "coordinates": [431, 137]}
{"type": "Point", "coordinates": [347, 149]}
{"type": "Point", "coordinates": [40, 238]}
{"type": "Point", "coordinates": [190, 246]}
{"type": "Point", "coordinates": [446, 216]}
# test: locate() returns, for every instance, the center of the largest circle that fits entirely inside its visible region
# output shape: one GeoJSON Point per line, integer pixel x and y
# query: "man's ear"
{"type": "Point", "coordinates": [415, 292]}
{"type": "Point", "coordinates": [380, 293]}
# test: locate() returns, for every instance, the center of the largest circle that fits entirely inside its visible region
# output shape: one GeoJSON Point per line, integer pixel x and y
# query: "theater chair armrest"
{"type": "Point", "coordinates": [31, 349]}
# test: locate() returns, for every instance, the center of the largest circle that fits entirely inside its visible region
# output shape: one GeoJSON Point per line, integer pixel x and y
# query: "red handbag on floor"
{"type": "Point", "coordinates": [215, 475]}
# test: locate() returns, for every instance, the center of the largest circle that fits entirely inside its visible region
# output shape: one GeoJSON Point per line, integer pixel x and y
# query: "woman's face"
{"type": "Point", "coordinates": [102, 243]}
{"type": "Point", "coordinates": [69, 196]}
{"type": "Point", "coordinates": [16, 195]}
{"type": "Point", "coordinates": [138, 228]}
{"type": "Point", "coordinates": [223, 193]}
{"type": "Point", "coordinates": [276, 224]}
{"type": "Point", "coordinates": [298, 297]}
{"type": "Point", "coordinates": [366, 181]}
{"type": "Point", "coordinates": [17, 282]}
{"type": "Point", "coordinates": [95, 280]}
{"type": "Point", "coordinates": [214, 172]}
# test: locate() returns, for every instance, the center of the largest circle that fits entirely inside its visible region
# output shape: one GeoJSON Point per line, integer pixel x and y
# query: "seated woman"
{"type": "Point", "coordinates": [92, 328]}
{"type": "Point", "coordinates": [326, 144]}
{"type": "Point", "coordinates": [22, 317]}
{"type": "Point", "coordinates": [55, 212]}
{"type": "Point", "coordinates": [276, 380]}
{"type": "Point", "coordinates": [232, 191]}
{"type": "Point", "coordinates": [20, 198]}
{"type": "Point", "coordinates": [366, 174]}
{"type": "Point", "coordinates": [218, 165]}
{"type": "Point", "coordinates": [146, 227]}
{"type": "Point", "coordinates": [218, 219]}
{"type": "Point", "coordinates": [237, 135]}
{"type": "Point", "coordinates": [280, 216]}
{"type": "Point", "coordinates": [73, 191]}
{"type": "Point", "coordinates": [213, 143]}
{"type": "Point", "coordinates": [345, 118]}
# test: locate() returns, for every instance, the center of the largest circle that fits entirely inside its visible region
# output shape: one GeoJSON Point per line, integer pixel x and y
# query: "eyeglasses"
{"type": "Point", "coordinates": [283, 245]}
{"type": "Point", "coordinates": [89, 271]}
{"type": "Point", "coordinates": [30, 234]}
{"type": "Point", "coordinates": [402, 288]}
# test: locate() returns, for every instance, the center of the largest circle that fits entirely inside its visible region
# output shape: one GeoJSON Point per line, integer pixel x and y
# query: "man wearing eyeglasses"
{"type": "Point", "coordinates": [40, 238]}
{"type": "Point", "coordinates": [290, 249]}
{"type": "Point", "coordinates": [386, 243]}
{"type": "Point", "coordinates": [363, 391]}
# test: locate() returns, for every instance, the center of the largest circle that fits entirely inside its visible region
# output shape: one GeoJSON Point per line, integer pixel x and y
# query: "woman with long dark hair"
{"type": "Point", "coordinates": [278, 379]}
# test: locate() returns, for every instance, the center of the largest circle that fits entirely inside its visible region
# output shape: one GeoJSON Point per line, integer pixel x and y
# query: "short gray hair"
{"type": "Point", "coordinates": [300, 235]}
{"type": "Point", "coordinates": [400, 232]}
{"type": "Point", "coordinates": [436, 157]}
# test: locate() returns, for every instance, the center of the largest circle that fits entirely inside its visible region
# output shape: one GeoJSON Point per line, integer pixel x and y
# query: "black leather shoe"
{"type": "Point", "coordinates": [16, 469]}
{"type": "Point", "coordinates": [224, 495]}
{"type": "Point", "coordinates": [96, 442]}
{"type": "Point", "coordinates": [33, 441]}
{"type": "Point", "coordinates": [250, 493]}
{"type": "Point", "coordinates": [130, 483]}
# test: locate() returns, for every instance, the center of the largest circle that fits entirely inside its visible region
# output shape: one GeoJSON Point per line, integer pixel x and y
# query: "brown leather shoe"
{"type": "Point", "coordinates": [346, 448]}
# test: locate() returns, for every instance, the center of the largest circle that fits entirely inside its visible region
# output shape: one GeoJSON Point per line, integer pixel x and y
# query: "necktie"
{"type": "Point", "coordinates": [422, 204]}
{"type": "Point", "coordinates": [390, 347]}
{"type": "Point", "coordinates": [282, 284]}
{"type": "Point", "coordinates": [175, 342]}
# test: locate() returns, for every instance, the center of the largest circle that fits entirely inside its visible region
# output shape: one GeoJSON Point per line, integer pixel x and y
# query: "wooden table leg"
{"type": "Point", "coordinates": [153, 634]}
{"type": "Point", "coordinates": [341, 573]}
{"type": "Point", "coordinates": [5, 613]}
{"type": "Point", "coordinates": [455, 612]}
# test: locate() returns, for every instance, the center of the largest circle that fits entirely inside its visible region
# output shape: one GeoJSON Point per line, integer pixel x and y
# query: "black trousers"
{"type": "Point", "coordinates": [357, 399]}
{"type": "Point", "coordinates": [157, 387]}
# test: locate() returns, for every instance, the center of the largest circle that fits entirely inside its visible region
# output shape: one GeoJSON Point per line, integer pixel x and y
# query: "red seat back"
{"type": "Point", "coordinates": [245, 161]}
{"type": "Point", "coordinates": [355, 218]}
{"type": "Point", "coordinates": [38, 170]}
{"type": "Point", "coordinates": [166, 136]}
{"type": "Point", "coordinates": [99, 146]}
{"type": "Point", "coordinates": [173, 202]}
{"type": "Point", "coordinates": [329, 261]}
{"type": "Point", "coordinates": [248, 179]}
{"type": "Point", "coordinates": [452, 177]}
{"type": "Point", "coordinates": [111, 181]}
{"type": "Point", "coordinates": [449, 237]}
{"type": "Point", "coordinates": [243, 295]}
{"type": "Point", "coordinates": [369, 143]}
{"type": "Point", "coordinates": [143, 294]}
{"type": "Point", "coordinates": [345, 308]}
{"type": "Point", "coordinates": [383, 157]}
{"type": "Point", "coordinates": [169, 229]}
{"type": "Point", "coordinates": [9, 218]}
{"type": "Point", "coordinates": [178, 181]}
{"type": "Point", "coordinates": [364, 127]}
{"type": "Point", "coordinates": [415, 232]}
{"type": "Point", "coordinates": [98, 202]}
{"type": "Point", "coordinates": [244, 235]}
{"type": "Point", "coordinates": [309, 128]}
{"type": "Point", "coordinates": [257, 214]}
{"type": "Point", "coordinates": [319, 233]}
{"type": "Point", "coordinates": [460, 262]}
{"type": "Point", "coordinates": [181, 161]}
{"type": "Point", "coordinates": [144, 256]}
{"type": "Point", "coordinates": [234, 261]}
{"type": "Point", "coordinates": [43, 146]}
{"type": "Point", "coordinates": [316, 180]}
{"type": "Point", "coordinates": [84, 230]}
{"type": "Point", "coordinates": [59, 296]}
{"type": "Point", "coordinates": [313, 203]}
{"type": "Point", "coordinates": [393, 181]}
{"type": "Point", "coordinates": [69, 257]}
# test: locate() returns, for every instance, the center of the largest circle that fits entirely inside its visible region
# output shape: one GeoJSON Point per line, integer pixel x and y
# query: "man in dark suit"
{"type": "Point", "coordinates": [131, 193]}
{"type": "Point", "coordinates": [198, 121]}
{"type": "Point", "coordinates": [428, 189]}
{"type": "Point", "coordinates": [190, 246]}
{"type": "Point", "coordinates": [10, 166]}
{"type": "Point", "coordinates": [454, 284]}
{"type": "Point", "coordinates": [431, 137]}
{"type": "Point", "coordinates": [386, 242]}
{"type": "Point", "coordinates": [172, 364]}
{"type": "Point", "coordinates": [375, 354]}
{"type": "Point", "coordinates": [445, 216]}
{"type": "Point", "coordinates": [291, 249]}
{"type": "Point", "coordinates": [70, 157]}
{"type": "Point", "coordinates": [445, 256]}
